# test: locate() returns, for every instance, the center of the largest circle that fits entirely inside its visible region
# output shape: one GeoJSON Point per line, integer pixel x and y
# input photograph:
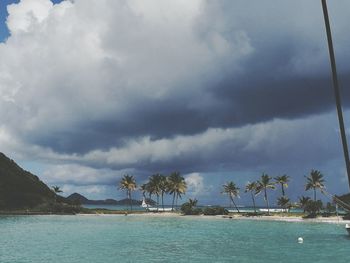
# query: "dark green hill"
{"type": "Point", "coordinates": [19, 189]}
{"type": "Point", "coordinates": [80, 199]}
{"type": "Point", "coordinates": [77, 198]}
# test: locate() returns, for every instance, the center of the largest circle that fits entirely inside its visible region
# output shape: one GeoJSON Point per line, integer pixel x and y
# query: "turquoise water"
{"type": "Point", "coordinates": [134, 238]}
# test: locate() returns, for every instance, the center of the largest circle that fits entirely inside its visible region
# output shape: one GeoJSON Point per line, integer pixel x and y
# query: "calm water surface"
{"type": "Point", "coordinates": [156, 239]}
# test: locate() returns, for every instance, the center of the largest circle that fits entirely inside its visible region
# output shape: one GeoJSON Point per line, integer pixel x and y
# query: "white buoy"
{"type": "Point", "coordinates": [347, 227]}
{"type": "Point", "coordinates": [300, 240]}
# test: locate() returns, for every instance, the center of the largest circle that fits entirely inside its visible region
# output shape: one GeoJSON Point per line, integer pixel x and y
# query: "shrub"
{"type": "Point", "coordinates": [330, 209]}
{"type": "Point", "coordinates": [313, 208]}
{"type": "Point", "coordinates": [215, 210]}
{"type": "Point", "coordinates": [188, 209]}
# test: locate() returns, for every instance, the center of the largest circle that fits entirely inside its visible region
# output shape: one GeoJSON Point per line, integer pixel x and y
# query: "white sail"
{"type": "Point", "coordinates": [144, 203]}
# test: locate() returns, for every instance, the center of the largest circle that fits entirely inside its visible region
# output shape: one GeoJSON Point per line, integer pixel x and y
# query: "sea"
{"type": "Point", "coordinates": [140, 238]}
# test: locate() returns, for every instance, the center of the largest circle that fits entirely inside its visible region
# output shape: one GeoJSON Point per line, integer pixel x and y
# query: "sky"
{"type": "Point", "coordinates": [217, 90]}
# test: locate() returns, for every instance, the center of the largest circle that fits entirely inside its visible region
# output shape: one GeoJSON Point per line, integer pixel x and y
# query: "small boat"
{"type": "Point", "coordinates": [347, 227]}
{"type": "Point", "coordinates": [144, 204]}
{"type": "Point", "coordinates": [154, 209]}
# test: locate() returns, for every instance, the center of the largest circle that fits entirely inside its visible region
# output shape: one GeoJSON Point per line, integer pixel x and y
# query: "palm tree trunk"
{"type": "Point", "coordinates": [157, 202]}
{"type": "Point", "coordinates": [314, 194]}
{"type": "Point", "coordinates": [177, 196]}
{"type": "Point", "coordinates": [144, 197]}
{"type": "Point", "coordinates": [234, 203]}
{"type": "Point", "coordinates": [127, 197]}
{"type": "Point", "coordinates": [267, 201]}
{"type": "Point", "coordinates": [130, 200]}
{"type": "Point", "coordinates": [163, 200]}
{"type": "Point", "coordinates": [172, 206]}
{"type": "Point", "coordinates": [150, 198]}
{"type": "Point", "coordinates": [253, 201]}
{"type": "Point", "coordinates": [282, 190]}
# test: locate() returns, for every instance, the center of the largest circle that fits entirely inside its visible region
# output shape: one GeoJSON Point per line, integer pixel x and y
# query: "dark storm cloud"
{"type": "Point", "coordinates": [286, 76]}
{"type": "Point", "coordinates": [256, 96]}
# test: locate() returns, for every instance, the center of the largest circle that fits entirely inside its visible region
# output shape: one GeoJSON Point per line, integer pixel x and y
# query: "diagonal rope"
{"type": "Point", "coordinates": [341, 203]}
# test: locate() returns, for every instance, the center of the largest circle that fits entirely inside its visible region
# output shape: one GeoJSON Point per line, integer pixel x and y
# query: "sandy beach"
{"type": "Point", "coordinates": [331, 220]}
{"type": "Point", "coordinates": [287, 218]}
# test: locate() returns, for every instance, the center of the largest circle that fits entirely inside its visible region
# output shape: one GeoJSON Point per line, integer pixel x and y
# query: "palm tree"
{"type": "Point", "coordinates": [283, 181]}
{"type": "Point", "coordinates": [56, 189]}
{"type": "Point", "coordinates": [128, 183]}
{"type": "Point", "coordinates": [163, 186]}
{"type": "Point", "coordinates": [265, 184]}
{"type": "Point", "coordinates": [144, 190]}
{"type": "Point", "coordinates": [252, 187]}
{"type": "Point", "coordinates": [283, 202]}
{"type": "Point", "coordinates": [187, 208]}
{"type": "Point", "coordinates": [314, 181]}
{"type": "Point", "coordinates": [232, 190]}
{"type": "Point", "coordinates": [154, 186]}
{"type": "Point", "coordinates": [176, 186]}
{"type": "Point", "coordinates": [192, 202]}
{"type": "Point", "coordinates": [303, 200]}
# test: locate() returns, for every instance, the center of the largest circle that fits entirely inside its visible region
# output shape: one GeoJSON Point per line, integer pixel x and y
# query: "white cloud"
{"type": "Point", "coordinates": [75, 174]}
{"type": "Point", "coordinates": [70, 63]}
{"type": "Point", "coordinates": [195, 184]}
{"type": "Point", "coordinates": [27, 14]}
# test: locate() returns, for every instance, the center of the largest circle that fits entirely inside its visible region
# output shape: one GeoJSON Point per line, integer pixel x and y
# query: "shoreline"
{"type": "Point", "coordinates": [293, 219]}
{"type": "Point", "coordinates": [277, 218]}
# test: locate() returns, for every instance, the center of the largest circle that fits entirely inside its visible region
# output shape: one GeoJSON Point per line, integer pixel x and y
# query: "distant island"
{"type": "Point", "coordinates": [80, 199]}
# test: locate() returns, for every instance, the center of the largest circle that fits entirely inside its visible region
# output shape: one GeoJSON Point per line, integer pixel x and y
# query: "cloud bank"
{"type": "Point", "coordinates": [97, 88]}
